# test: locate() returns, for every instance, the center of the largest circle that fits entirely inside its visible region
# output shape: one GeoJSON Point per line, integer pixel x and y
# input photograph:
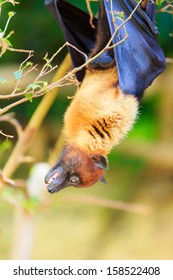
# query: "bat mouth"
{"type": "Point", "coordinates": [56, 179]}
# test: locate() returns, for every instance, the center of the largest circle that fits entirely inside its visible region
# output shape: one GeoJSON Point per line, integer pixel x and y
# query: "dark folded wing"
{"type": "Point", "coordinates": [139, 59]}
{"type": "Point", "coordinates": [76, 28]}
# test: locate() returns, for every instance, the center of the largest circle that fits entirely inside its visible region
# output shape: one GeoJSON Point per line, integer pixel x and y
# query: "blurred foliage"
{"type": "Point", "coordinates": [36, 31]}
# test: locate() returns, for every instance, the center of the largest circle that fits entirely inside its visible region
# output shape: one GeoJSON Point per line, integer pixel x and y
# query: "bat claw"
{"type": "Point", "coordinates": [144, 3]}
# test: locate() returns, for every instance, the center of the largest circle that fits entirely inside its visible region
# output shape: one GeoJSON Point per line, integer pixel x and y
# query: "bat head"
{"type": "Point", "coordinates": [76, 168]}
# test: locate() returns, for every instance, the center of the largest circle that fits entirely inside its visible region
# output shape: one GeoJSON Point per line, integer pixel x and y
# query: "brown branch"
{"type": "Point", "coordinates": [5, 180]}
{"type": "Point", "coordinates": [14, 122]}
{"type": "Point", "coordinates": [6, 117]}
{"type": "Point", "coordinates": [14, 104]}
{"type": "Point", "coordinates": [19, 50]}
{"type": "Point", "coordinates": [90, 13]}
{"type": "Point", "coordinates": [113, 204]}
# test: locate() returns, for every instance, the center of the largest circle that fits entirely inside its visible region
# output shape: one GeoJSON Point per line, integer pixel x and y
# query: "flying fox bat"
{"type": "Point", "coordinates": [112, 84]}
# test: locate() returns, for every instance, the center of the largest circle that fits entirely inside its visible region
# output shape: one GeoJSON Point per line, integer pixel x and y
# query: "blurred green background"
{"type": "Point", "coordinates": [67, 225]}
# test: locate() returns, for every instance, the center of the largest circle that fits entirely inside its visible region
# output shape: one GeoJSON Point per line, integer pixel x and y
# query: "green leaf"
{"type": "Point", "coordinates": [27, 64]}
{"type": "Point", "coordinates": [2, 2]}
{"type": "Point", "coordinates": [6, 145]}
{"type": "Point", "coordinates": [29, 96]}
{"type": "Point", "coordinates": [8, 42]}
{"type": "Point", "coordinates": [44, 83]}
{"type": "Point", "coordinates": [34, 87]}
{"type": "Point", "coordinates": [17, 75]}
{"type": "Point", "coordinates": [11, 14]}
{"type": "Point", "coordinates": [47, 61]}
{"type": "Point", "coordinates": [121, 14]}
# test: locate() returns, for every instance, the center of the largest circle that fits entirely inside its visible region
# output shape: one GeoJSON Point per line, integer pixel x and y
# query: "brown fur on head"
{"type": "Point", "coordinates": [76, 168]}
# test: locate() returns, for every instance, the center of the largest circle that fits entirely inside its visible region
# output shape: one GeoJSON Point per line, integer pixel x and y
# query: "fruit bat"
{"type": "Point", "coordinates": [105, 106]}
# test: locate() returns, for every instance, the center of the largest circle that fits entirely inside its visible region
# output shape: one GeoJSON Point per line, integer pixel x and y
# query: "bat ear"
{"type": "Point", "coordinates": [101, 162]}
{"type": "Point", "coordinates": [103, 180]}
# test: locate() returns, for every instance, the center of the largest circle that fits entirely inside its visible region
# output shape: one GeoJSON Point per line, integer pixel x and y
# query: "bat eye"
{"type": "Point", "coordinates": [74, 180]}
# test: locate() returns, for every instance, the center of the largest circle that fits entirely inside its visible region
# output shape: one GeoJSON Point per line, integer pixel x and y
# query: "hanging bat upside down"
{"type": "Point", "coordinates": [105, 106]}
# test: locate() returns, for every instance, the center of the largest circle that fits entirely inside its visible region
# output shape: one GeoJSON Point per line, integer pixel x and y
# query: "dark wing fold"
{"type": "Point", "coordinates": [76, 28]}
{"type": "Point", "coordinates": [139, 59]}
{"type": "Point", "coordinates": [150, 9]}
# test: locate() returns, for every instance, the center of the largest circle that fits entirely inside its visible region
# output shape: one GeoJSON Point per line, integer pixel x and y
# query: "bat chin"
{"type": "Point", "coordinates": [56, 186]}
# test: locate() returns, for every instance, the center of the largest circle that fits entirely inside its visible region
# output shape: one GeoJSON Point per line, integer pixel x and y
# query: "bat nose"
{"type": "Point", "coordinates": [56, 179]}
{"type": "Point", "coordinates": [50, 189]}
{"type": "Point", "coordinates": [53, 173]}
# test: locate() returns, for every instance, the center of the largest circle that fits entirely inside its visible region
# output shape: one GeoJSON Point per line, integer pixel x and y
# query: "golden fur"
{"type": "Point", "coordinates": [100, 115]}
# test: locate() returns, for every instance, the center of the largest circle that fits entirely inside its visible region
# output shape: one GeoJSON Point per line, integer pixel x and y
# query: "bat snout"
{"type": "Point", "coordinates": [61, 176]}
{"type": "Point", "coordinates": [55, 179]}
{"type": "Point", "coordinates": [76, 168]}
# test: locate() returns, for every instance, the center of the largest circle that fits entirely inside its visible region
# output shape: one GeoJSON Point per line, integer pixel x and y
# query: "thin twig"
{"type": "Point", "coordinates": [166, 8]}
{"type": "Point", "coordinates": [6, 135]}
{"type": "Point", "coordinates": [7, 23]}
{"type": "Point", "coordinates": [90, 13]}
{"type": "Point", "coordinates": [19, 50]}
{"type": "Point", "coordinates": [14, 122]}
{"type": "Point", "coordinates": [113, 204]}
{"type": "Point", "coordinates": [7, 108]}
